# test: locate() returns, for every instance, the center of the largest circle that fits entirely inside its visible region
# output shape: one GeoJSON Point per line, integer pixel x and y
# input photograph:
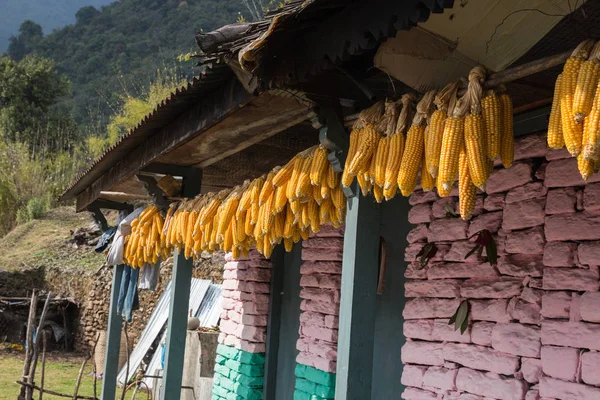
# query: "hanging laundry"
{"type": "Point", "coordinates": [115, 254]}
{"type": "Point", "coordinates": [128, 294]}
{"type": "Point", "coordinates": [149, 276]}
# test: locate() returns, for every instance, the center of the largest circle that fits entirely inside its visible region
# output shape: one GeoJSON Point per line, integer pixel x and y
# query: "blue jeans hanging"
{"type": "Point", "coordinates": [128, 293]}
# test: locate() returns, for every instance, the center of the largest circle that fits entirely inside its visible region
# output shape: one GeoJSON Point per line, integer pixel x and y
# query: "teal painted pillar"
{"type": "Point", "coordinates": [360, 269]}
{"type": "Point", "coordinates": [113, 339]}
{"type": "Point", "coordinates": [177, 326]}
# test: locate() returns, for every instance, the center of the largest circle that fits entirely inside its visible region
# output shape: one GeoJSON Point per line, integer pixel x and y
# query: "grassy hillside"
{"type": "Point", "coordinates": [49, 14]}
{"type": "Point", "coordinates": [45, 242]}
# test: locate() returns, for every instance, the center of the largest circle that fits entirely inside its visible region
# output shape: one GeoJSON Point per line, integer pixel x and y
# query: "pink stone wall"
{"type": "Point", "coordinates": [320, 281]}
{"type": "Point", "coordinates": [534, 329]}
{"type": "Point", "coordinates": [246, 284]}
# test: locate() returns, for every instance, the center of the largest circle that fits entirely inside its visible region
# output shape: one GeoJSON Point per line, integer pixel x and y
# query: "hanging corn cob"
{"type": "Point", "coordinates": [452, 142]}
{"type": "Point", "coordinates": [414, 149]}
{"type": "Point", "coordinates": [434, 135]}
{"type": "Point", "coordinates": [587, 80]}
{"type": "Point", "coordinates": [555, 133]}
{"type": "Point", "coordinates": [572, 129]}
{"type": "Point", "coordinates": [396, 148]}
{"type": "Point", "coordinates": [144, 244]}
{"type": "Point", "coordinates": [363, 144]}
{"type": "Point", "coordinates": [490, 106]}
{"type": "Point", "coordinates": [388, 126]}
{"type": "Point", "coordinates": [507, 138]}
{"type": "Point", "coordinates": [475, 145]}
{"type": "Point", "coordinates": [467, 191]}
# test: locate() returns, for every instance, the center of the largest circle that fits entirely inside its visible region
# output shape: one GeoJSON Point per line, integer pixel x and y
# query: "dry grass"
{"type": "Point", "coordinates": [60, 377]}
{"type": "Point", "coordinates": [44, 242]}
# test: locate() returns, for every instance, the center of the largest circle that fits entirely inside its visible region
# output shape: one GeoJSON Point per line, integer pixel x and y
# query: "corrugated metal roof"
{"type": "Point", "coordinates": [174, 105]}
{"type": "Point", "coordinates": [200, 289]}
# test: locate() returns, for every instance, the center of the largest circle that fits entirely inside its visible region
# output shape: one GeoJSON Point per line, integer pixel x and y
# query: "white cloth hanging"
{"type": "Point", "coordinates": [115, 254]}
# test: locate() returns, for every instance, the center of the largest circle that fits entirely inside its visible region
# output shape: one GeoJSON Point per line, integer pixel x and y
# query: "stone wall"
{"type": "Point", "coordinates": [239, 368]}
{"type": "Point", "coordinates": [320, 281]}
{"type": "Point", "coordinates": [534, 329]}
{"type": "Point", "coordinates": [95, 300]}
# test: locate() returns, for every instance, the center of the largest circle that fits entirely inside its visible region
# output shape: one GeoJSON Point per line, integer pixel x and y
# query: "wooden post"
{"type": "Point", "coordinates": [113, 339]}
{"type": "Point", "coordinates": [181, 283]}
{"type": "Point", "coordinates": [44, 346]}
{"type": "Point", "coordinates": [177, 326]}
{"type": "Point", "coordinates": [25, 391]}
{"type": "Point", "coordinates": [358, 299]}
{"type": "Point", "coordinates": [36, 343]}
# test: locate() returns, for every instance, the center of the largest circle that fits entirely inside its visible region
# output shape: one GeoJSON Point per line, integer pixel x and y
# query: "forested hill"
{"type": "Point", "coordinates": [118, 49]}
{"type": "Point", "coordinates": [49, 14]}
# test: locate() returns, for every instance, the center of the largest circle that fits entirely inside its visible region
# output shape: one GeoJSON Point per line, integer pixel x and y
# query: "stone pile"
{"type": "Point", "coordinates": [534, 330]}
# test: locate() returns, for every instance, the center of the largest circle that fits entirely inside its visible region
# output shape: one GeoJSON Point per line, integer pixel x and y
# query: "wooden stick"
{"type": "Point", "coordinates": [80, 374]}
{"type": "Point", "coordinates": [44, 341]}
{"type": "Point", "coordinates": [25, 391]}
{"type": "Point", "coordinates": [95, 365]}
{"type": "Point", "coordinates": [36, 345]}
{"type": "Point", "coordinates": [53, 393]}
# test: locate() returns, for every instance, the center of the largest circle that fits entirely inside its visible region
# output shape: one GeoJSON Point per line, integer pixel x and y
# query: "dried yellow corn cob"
{"type": "Point", "coordinates": [333, 178]}
{"type": "Point", "coordinates": [555, 133]}
{"type": "Point", "coordinates": [433, 141]}
{"type": "Point", "coordinates": [411, 160]}
{"type": "Point", "coordinates": [378, 193]}
{"type": "Point", "coordinates": [466, 190]}
{"type": "Point", "coordinates": [591, 136]}
{"type": "Point", "coordinates": [427, 181]}
{"type": "Point", "coordinates": [586, 167]}
{"type": "Point", "coordinates": [452, 142]}
{"type": "Point", "coordinates": [347, 178]}
{"type": "Point", "coordinates": [267, 189]}
{"type": "Point", "coordinates": [572, 131]}
{"type": "Point", "coordinates": [324, 188]}
{"type": "Point", "coordinates": [280, 198]}
{"type": "Point", "coordinates": [285, 173]}
{"type": "Point", "coordinates": [585, 88]}
{"type": "Point", "coordinates": [507, 140]}
{"type": "Point", "coordinates": [319, 165]}
{"type": "Point", "coordinates": [339, 198]}
{"type": "Point", "coordinates": [367, 143]}
{"type": "Point", "coordinates": [304, 179]}
{"type": "Point", "coordinates": [394, 159]}
{"type": "Point", "coordinates": [314, 216]}
{"type": "Point", "coordinates": [490, 108]}
{"type": "Point", "coordinates": [288, 243]}
{"type": "Point", "coordinates": [381, 155]}
{"type": "Point", "coordinates": [474, 145]}
{"type": "Point", "coordinates": [364, 183]}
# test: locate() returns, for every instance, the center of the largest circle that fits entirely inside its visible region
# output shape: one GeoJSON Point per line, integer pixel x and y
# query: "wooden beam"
{"type": "Point", "coordinates": [212, 109]}
{"type": "Point", "coordinates": [169, 169]}
{"type": "Point", "coordinates": [110, 205]}
{"type": "Point", "coordinates": [360, 268]}
{"type": "Point", "coordinates": [113, 339]}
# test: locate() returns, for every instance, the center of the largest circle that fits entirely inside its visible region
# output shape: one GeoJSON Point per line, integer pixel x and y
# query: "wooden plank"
{"type": "Point", "coordinates": [358, 299]}
{"type": "Point", "coordinates": [264, 117]}
{"type": "Point", "coordinates": [177, 326]}
{"type": "Point", "coordinates": [113, 339]}
{"type": "Point", "coordinates": [212, 109]}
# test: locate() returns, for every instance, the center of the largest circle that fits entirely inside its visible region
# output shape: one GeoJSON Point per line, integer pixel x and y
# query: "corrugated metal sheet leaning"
{"type": "Point", "coordinates": [239, 368]}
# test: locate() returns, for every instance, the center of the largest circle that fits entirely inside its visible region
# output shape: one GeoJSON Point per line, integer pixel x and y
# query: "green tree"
{"type": "Point", "coordinates": [30, 35]}
{"type": "Point", "coordinates": [28, 90]}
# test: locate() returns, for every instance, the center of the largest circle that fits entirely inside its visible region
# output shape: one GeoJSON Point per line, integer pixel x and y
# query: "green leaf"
{"type": "Point", "coordinates": [450, 213]}
{"type": "Point", "coordinates": [464, 326]}
{"type": "Point", "coordinates": [473, 250]}
{"type": "Point", "coordinates": [426, 253]}
{"type": "Point", "coordinates": [462, 314]}
{"type": "Point", "coordinates": [453, 318]}
{"type": "Point", "coordinates": [492, 252]}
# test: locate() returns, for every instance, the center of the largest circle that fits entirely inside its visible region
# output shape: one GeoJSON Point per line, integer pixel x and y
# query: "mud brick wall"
{"type": "Point", "coordinates": [534, 330]}
{"type": "Point", "coordinates": [239, 368]}
{"type": "Point", "coordinates": [320, 281]}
